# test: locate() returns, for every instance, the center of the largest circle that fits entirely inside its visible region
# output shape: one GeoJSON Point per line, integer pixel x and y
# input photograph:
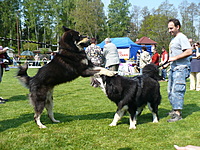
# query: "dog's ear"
{"type": "Point", "coordinates": [66, 29]}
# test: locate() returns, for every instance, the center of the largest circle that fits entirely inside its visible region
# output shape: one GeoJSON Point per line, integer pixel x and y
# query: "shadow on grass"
{"type": "Point", "coordinates": [15, 122]}
{"type": "Point", "coordinates": [98, 116]}
{"type": "Point", "coordinates": [189, 109]}
{"type": "Point", "coordinates": [144, 118]}
{"type": "Point", "coordinates": [19, 98]}
{"type": "Point", "coordinates": [162, 113]}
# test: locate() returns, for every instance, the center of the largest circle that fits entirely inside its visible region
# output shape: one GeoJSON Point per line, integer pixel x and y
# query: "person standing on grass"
{"type": "Point", "coordinates": [145, 58]}
{"type": "Point", "coordinates": [195, 68]}
{"type": "Point", "coordinates": [111, 55]}
{"type": "Point", "coordinates": [155, 58]}
{"type": "Point", "coordinates": [164, 58]}
{"type": "Point", "coordinates": [2, 51]}
{"type": "Point", "coordinates": [179, 50]}
{"type": "Point", "coordinates": [94, 54]}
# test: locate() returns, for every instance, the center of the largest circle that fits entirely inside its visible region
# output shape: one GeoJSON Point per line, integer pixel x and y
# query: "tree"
{"type": "Point", "coordinates": [118, 18]}
{"type": "Point", "coordinates": [89, 17]}
{"type": "Point", "coordinates": [154, 25]}
{"type": "Point", "coordinates": [198, 24]}
{"type": "Point", "coordinates": [30, 46]}
{"type": "Point", "coordinates": [62, 11]}
{"type": "Point", "coordinates": [32, 19]}
{"type": "Point", "coordinates": [135, 22]}
{"type": "Point", "coordinates": [189, 12]}
{"type": "Point", "coordinates": [8, 20]}
{"type": "Point", "coordinates": [166, 9]}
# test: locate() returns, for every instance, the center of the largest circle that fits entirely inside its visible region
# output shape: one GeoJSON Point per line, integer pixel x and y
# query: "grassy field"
{"type": "Point", "coordinates": [85, 113]}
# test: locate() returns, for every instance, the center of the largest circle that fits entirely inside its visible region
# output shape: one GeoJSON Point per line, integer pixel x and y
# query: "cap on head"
{"type": "Point", "coordinates": [107, 40]}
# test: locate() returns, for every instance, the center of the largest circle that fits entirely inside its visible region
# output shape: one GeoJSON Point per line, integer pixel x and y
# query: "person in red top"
{"type": "Point", "coordinates": [155, 58]}
{"type": "Point", "coordinates": [164, 58]}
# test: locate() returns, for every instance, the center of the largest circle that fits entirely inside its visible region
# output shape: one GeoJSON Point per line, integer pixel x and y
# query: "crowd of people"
{"type": "Point", "coordinates": [161, 60]}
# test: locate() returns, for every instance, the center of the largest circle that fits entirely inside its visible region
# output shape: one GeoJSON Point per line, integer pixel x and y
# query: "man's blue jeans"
{"type": "Point", "coordinates": [177, 86]}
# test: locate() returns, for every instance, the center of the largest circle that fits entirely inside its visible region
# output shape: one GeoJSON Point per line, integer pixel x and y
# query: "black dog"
{"type": "Point", "coordinates": [132, 94]}
{"type": "Point", "coordinates": [70, 63]}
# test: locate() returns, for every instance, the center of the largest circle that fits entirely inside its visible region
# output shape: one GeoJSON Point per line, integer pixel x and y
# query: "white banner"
{"type": "Point", "coordinates": [124, 53]}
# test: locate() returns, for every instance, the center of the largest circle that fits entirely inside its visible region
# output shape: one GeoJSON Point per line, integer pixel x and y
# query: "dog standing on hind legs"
{"type": "Point", "coordinates": [68, 64]}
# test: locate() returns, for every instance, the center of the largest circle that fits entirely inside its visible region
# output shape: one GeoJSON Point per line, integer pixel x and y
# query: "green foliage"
{"type": "Point", "coordinates": [85, 113]}
{"type": "Point", "coordinates": [155, 27]}
{"type": "Point", "coordinates": [189, 11]}
{"type": "Point", "coordinates": [89, 18]}
{"type": "Point", "coordinates": [42, 21]}
{"type": "Point", "coordinates": [44, 50]}
{"type": "Point", "coordinates": [118, 18]}
{"type": "Point", "coordinates": [30, 46]}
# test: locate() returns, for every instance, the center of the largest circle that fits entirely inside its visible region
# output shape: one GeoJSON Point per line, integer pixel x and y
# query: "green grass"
{"type": "Point", "coordinates": [85, 113]}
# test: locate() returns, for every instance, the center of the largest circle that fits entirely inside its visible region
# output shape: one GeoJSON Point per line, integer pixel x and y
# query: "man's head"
{"type": "Point", "coordinates": [144, 48]}
{"type": "Point", "coordinates": [163, 49]}
{"type": "Point", "coordinates": [93, 41]}
{"type": "Point", "coordinates": [107, 40]}
{"type": "Point", "coordinates": [174, 26]}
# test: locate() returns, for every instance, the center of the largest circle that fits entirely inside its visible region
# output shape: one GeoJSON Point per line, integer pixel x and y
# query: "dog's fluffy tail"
{"type": "Point", "coordinates": [23, 76]}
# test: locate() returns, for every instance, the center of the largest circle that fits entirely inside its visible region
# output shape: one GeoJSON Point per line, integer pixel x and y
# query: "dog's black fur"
{"type": "Point", "coordinates": [132, 94]}
{"type": "Point", "coordinates": [70, 63]}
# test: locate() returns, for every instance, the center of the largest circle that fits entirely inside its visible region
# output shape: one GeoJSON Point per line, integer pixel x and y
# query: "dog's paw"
{"type": "Point", "coordinates": [155, 121]}
{"type": "Point", "coordinates": [42, 126]}
{"type": "Point", "coordinates": [132, 127]}
{"type": "Point", "coordinates": [57, 121]}
{"type": "Point", "coordinates": [106, 72]}
{"type": "Point", "coordinates": [112, 124]}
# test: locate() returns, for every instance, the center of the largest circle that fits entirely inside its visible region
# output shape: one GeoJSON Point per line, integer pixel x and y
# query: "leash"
{"type": "Point", "coordinates": [164, 64]}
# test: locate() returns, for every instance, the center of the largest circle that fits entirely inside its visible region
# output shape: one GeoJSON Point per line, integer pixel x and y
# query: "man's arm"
{"type": "Point", "coordinates": [3, 51]}
{"type": "Point", "coordinates": [185, 53]}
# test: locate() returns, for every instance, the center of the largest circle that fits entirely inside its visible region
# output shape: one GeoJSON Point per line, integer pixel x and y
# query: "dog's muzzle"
{"type": "Point", "coordinates": [84, 42]}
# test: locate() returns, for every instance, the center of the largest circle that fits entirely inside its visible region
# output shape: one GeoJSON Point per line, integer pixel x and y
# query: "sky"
{"type": "Point", "coordinates": [150, 3]}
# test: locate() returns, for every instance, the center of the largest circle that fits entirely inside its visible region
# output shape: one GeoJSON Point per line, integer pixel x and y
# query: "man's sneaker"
{"type": "Point", "coordinates": [175, 117]}
{"type": "Point", "coordinates": [171, 113]}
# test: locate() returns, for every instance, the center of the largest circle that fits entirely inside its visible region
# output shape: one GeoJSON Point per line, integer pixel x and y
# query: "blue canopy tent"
{"type": "Point", "coordinates": [126, 42]}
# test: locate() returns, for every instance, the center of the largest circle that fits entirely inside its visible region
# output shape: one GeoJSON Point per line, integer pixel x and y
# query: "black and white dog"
{"type": "Point", "coordinates": [70, 63]}
{"type": "Point", "coordinates": [132, 94]}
